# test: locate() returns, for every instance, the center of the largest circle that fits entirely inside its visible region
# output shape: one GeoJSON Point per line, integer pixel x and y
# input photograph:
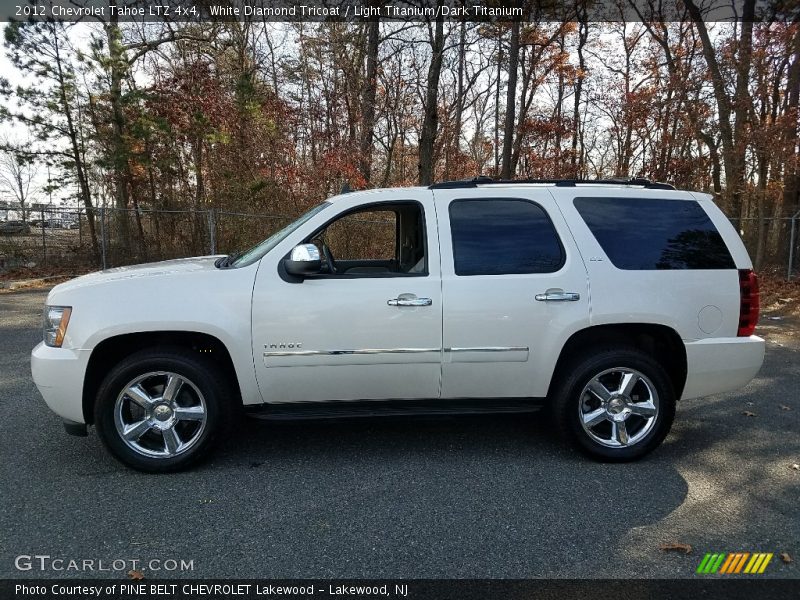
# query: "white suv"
{"type": "Point", "coordinates": [605, 302]}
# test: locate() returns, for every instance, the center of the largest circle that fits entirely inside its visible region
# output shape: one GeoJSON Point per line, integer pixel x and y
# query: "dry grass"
{"type": "Point", "coordinates": [778, 295]}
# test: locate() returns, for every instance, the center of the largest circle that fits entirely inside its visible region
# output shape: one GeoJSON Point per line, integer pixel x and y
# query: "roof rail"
{"type": "Point", "coordinates": [484, 180]}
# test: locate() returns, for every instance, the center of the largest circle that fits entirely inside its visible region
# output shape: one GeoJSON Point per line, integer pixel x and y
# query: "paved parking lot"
{"type": "Point", "coordinates": [448, 497]}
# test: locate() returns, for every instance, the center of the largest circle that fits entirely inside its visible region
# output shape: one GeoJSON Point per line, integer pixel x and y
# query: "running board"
{"type": "Point", "coordinates": [391, 408]}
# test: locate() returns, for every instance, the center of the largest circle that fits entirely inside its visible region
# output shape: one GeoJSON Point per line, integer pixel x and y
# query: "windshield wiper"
{"type": "Point", "coordinates": [226, 261]}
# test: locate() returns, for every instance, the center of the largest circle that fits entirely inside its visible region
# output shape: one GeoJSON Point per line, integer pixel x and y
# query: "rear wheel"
{"type": "Point", "coordinates": [161, 410]}
{"type": "Point", "coordinates": [617, 404]}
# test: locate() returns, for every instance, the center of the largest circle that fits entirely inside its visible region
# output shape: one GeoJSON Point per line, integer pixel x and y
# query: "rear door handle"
{"type": "Point", "coordinates": [409, 300]}
{"type": "Point", "coordinates": [558, 296]}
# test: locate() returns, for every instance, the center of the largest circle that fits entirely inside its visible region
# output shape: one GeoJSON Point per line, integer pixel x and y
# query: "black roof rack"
{"type": "Point", "coordinates": [484, 179]}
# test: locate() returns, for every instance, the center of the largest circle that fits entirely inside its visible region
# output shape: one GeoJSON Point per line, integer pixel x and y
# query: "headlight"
{"type": "Point", "coordinates": [56, 319]}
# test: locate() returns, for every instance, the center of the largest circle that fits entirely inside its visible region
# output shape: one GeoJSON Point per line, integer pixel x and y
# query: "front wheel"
{"type": "Point", "coordinates": [617, 404]}
{"type": "Point", "coordinates": [161, 410]}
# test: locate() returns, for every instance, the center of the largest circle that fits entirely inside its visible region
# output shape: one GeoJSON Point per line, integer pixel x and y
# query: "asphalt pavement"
{"type": "Point", "coordinates": [466, 497]}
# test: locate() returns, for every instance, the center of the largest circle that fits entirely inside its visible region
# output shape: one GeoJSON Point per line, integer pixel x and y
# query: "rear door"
{"type": "Point", "coordinates": [514, 288]}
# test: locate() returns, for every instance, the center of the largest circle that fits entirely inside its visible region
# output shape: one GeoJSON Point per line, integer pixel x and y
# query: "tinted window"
{"type": "Point", "coordinates": [495, 237]}
{"type": "Point", "coordinates": [642, 233]}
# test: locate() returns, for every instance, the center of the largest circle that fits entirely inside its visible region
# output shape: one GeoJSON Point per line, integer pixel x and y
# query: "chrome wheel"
{"type": "Point", "coordinates": [618, 407]}
{"type": "Point", "coordinates": [160, 414]}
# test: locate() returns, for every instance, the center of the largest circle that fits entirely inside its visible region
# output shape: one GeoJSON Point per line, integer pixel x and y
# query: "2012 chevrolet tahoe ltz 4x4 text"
{"type": "Point", "coordinates": [604, 302]}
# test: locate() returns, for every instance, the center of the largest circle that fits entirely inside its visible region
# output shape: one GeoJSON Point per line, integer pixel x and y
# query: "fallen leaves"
{"type": "Point", "coordinates": [676, 547]}
{"type": "Point", "coordinates": [785, 557]}
{"type": "Point", "coordinates": [796, 467]}
{"type": "Point", "coordinates": [748, 413]}
{"type": "Point", "coordinates": [135, 575]}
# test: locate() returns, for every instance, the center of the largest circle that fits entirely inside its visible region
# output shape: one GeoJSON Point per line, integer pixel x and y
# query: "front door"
{"type": "Point", "coordinates": [369, 326]}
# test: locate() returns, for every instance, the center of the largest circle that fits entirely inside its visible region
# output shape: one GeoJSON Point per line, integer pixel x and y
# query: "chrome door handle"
{"type": "Point", "coordinates": [404, 300]}
{"type": "Point", "coordinates": [558, 297]}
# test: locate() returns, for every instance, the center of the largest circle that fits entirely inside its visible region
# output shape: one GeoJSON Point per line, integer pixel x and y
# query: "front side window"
{"type": "Point", "coordinates": [496, 236]}
{"type": "Point", "coordinates": [387, 239]}
{"type": "Point", "coordinates": [369, 235]}
{"type": "Point", "coordinates": [655, 234]}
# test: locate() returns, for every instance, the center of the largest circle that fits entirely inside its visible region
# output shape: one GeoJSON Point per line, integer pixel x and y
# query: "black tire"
{"type": "Point", "coordinates": [206, 387]}
{"type": "Point", "coordinates": [570, 403]}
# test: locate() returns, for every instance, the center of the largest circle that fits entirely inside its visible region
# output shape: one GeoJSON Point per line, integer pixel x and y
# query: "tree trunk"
{"type": "Point", "coordinates": [430, 123]}
{"type": "Point", "coordinates": [576, 163]}
{"type": "Point", "coordinates": [791, 195]}
{"type": "Point", "coordinates": [791, 185]}
{"type": "Point", "coordinates": [368, 100]}
{"type": "Point", "coordinates": [742, 103]}
{"type": "Point", "coordinates": [80, 167]}
{"type": "Point", "coordinates": [455, 147]}
{"type": "Point", "coordinates": [511, 101]}
{"type": "Point", "coordinates": [119, 159]}
{"type": "Point", "coordinates": [497, 105]}
{"type": "Point", "coordinates": [734, 168]}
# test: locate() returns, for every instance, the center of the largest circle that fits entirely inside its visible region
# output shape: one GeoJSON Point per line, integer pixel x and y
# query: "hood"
{"type": "Point", "coordinates": [156, 269]}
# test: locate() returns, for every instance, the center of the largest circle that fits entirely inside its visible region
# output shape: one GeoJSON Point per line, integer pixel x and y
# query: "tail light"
{"type": "Point", "coordinates": [749, 302]}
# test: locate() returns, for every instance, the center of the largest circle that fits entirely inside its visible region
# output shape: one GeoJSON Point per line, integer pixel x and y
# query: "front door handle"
{"type": "Point", "coordinates": [409, 300]}
{"type": "Point", "coordinates": [558, 296]}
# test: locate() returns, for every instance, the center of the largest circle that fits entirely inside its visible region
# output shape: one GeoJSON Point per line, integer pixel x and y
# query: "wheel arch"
{"type": "Point", "coordinates": [661, 342]}
{"type": "Point", "coordinates": [112, 350]}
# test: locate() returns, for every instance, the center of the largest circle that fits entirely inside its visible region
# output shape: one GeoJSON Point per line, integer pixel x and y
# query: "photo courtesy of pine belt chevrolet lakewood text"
{"type": "Point", "coordinates": [603, 303]}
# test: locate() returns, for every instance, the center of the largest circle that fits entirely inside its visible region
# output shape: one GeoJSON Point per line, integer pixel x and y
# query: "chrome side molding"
{"type": "Point", "coordinates": [367, 351]}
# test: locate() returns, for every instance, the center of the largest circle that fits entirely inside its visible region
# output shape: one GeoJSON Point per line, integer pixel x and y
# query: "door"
{"type": "Point", "coordinates": [369, 325]}
{"type": "Point", "coordinates": [514, 288]}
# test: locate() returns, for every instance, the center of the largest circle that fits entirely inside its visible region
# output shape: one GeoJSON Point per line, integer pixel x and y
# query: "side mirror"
{"type": "Point", "coordinates": [303, 260]}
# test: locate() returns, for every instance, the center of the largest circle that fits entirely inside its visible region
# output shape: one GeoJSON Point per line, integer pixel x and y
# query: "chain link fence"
{"type": "Point", "coordinates": [55, 241]}
{"type": "Point", "coordinates": [773, 243]}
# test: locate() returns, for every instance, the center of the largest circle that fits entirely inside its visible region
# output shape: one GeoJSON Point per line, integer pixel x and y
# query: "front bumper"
{"type": "Point", "coordinates": [717, 365]}
{"type": "Point", "coordinates": [58, 374]}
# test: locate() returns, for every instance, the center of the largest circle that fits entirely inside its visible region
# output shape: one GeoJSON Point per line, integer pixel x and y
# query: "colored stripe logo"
{"type": "Point", "coordinates": [733, 563]}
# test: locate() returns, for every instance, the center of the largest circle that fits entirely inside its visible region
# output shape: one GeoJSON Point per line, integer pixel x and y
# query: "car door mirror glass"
{"type": "Point", "coordinates": [303, 260]}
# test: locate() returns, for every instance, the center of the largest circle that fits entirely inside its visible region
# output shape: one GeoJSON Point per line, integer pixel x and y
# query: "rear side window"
{"type": "Point", "coordinates": [503, 236]}
{"type": "Point", "coordinates": [649, 234]}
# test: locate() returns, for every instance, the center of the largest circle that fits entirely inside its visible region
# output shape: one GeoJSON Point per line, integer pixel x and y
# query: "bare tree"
{"type": "Point", "coordinates": [18, 172]}
{"type": "Point", "coordinates": [430, 124]}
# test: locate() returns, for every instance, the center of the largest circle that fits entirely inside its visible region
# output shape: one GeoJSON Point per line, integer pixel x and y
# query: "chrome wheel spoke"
{"type": "Point", "coordinates": [643, 409]}
{"type": "Point", "coordinates": [136, 430]}
{"type": "Point", "coordinates": [619, 433]}
{"type": "Point", "coordinates": [190, 413]}
{"type": "Point", "coordinates": [172, 443]}
{"type": "Point", "coordinates": [595, 417]}
{"type": "Point", "coordinates": [139, 396]}
{"type": "Point", "coordinates": [629, 381]}
{"type": "Point", "coordinates": [599, 390]}
{"type": "Point", "coordinates": [173, 388]}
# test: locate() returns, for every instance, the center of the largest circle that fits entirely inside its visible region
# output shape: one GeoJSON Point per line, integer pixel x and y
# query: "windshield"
{"type": "Point", "coordinates": [260, 249]}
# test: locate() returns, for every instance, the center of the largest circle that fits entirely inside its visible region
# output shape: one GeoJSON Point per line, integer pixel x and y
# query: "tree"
{"type": "Point", "coordinates": [738, 105]}
{"type": "Point", "coordinates": [511, 101]}
{"type": "Point", "coordinates": [368, 93]}
{"type": "Point", "coordinates": [50, 104]}
{"type": "Point", "coordinates": [430, 123]}
{"type": "Point", "coordinates": [18, 171]}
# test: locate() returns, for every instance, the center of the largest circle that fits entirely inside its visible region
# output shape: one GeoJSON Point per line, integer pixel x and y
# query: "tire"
{"type": "Point", "coordinates": [611, 422]}
{"type": "Point", "coordinates": [168, 429]}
